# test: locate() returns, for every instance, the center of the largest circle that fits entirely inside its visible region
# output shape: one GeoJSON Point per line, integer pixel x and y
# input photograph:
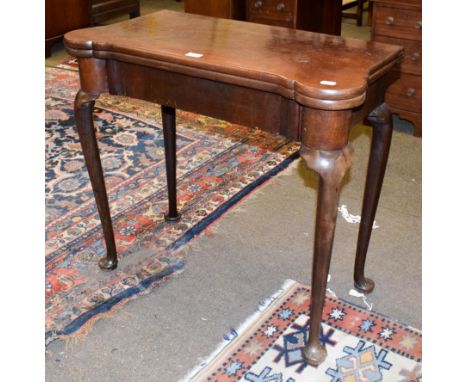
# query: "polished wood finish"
{"type": "Point", "coordinates": [405, 92]}
{"type": "Point", "coordinates": [277, 12]}
{"type": "Point", "coordinates": [331, 166]}
{"type": "Point", "coordinates": [169, 130]}
{"type": "Point", "coordinates": [381, 121]}
{"type": "Point", "coordinates": [64, 16]}
{"type": "Point", "coordinates": [84, 105]}
{"type": "Point", "coordinates": [236, 103]}
{"type": "Point", "coordinates": [317, 16]}
{"type": "Point", "coordinates": [294, 64]}
{"type": "Point", "coordinates": [399, 22]}
{"type": "Point", "coordinates": [306, 86]}
{"type": "Point", "coordinates": [411, 64]}
{"type": "Point", "coordinates": [228, 9]}
{"type": "Point", "coordinates": [322, 16]}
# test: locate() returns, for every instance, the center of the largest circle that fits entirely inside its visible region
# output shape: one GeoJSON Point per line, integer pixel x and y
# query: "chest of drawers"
{"type": "Point", "coordinates": [399, 22]}
{"type": "Point", "coordinates": [274, 12]}
{"type": "Point", "coordinates": [317, 16]}
{"type": "Point", "coordinates": [322, 16]}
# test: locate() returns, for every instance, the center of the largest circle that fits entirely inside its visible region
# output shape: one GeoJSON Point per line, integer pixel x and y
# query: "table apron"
{"type": "Point", "coordinates": [234, 103]}
{"type": "Point", "coordinates": [268, 111]}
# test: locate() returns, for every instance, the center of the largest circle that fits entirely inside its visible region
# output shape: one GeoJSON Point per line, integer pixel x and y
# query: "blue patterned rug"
{"type": "Point", "coordinates": [218, 164]}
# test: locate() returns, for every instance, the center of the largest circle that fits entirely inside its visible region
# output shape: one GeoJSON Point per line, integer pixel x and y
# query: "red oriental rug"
{"type": "Point", "coordinates": [218, 164]}
{"type": "Point", "coordinates": [362, 346]}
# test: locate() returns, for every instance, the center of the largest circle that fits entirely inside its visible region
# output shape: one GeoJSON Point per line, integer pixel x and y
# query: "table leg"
{"type": "Point", "coordinates": [84, 105]}
{"type": "Point", "coordinates": [382, 127]}
{"type": "Point", "coordinates": [331, 167]}
{"type": "Point", "coordinates": [170, 150]}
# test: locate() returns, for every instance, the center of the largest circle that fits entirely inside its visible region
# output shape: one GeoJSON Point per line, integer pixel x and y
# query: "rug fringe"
{"type": "Point", "coordinates": [235, 333]}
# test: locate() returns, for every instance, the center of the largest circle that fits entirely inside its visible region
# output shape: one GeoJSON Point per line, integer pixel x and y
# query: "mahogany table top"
{"type": "Point", "coordinates": [317, 70]}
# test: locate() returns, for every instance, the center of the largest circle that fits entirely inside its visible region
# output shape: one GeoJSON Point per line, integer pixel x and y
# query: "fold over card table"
{"type": "Point", "coordinates": [306, 86]}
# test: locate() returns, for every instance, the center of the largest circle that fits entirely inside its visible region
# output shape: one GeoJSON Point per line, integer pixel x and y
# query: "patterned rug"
{"type": "Point", "coordinates": [362, 346]}
{"type": "Point", "coordinates": [71, 64]}
{"type": "Point", "coordinates": [218, 164]}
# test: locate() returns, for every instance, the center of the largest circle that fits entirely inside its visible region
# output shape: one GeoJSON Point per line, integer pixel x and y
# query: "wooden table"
{"type": "Point", "coordinates": [307, 86]}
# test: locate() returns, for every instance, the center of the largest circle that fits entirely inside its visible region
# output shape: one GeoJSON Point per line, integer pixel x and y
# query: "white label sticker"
{"type": "Point", "coordinates": [193, 54]}
{"type": "Point", "coordinates": [353, 219]}
{"type": "Point", "coordinates": [329, 83]}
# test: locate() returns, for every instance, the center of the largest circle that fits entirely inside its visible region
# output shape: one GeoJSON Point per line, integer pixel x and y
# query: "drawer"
{"type": "Point", "coordinates": [405, 93]}
{"type": "Point", "coordinates": [413, 53]}
{"type": "Point", "coordinates": [276, 12]}
{"type": "Point", "coordinates": [398, 23]}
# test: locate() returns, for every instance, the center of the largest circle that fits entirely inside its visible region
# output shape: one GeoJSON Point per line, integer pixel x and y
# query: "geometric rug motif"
{"type": "Point", "coordinates": [218, 163]}
{"type": "Point", "coordinates": [362, 346]}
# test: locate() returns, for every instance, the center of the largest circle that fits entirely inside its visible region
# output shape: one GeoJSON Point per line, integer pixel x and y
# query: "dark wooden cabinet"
{"type": "Point", "coordinates": [227, 9]}
{"type": "Point", "coordinates": [62, 16]}
{"type": "Point", "coordinates": [399, 22]}
{"type": "Point", "coordinates": [318, 16]}
{"type": "Point", "coordinates": [102, 10]}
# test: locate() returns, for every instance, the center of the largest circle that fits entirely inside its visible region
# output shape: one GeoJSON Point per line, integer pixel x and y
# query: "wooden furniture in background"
{"type": "Point", "coordinates": [227, 9]}
{"type": "Point", "coordinates": [102, 10]}
{"type": "Point", "coordinates": [322, 16]}
{"type": "Point", "coordinates": [292, 14]}
{"type": "Point", "coordinates": [399, 22]}
{"type": "Point", "coordinates": [307, 86]}
{"type": "Point", "coordinates": [62, 16]}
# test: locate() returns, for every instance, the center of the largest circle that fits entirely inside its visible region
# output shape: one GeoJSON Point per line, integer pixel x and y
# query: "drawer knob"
{"type": "Point", "coordinates": [418, 25]}
{"type": "Point", "coordinates": [415, 56]}
{"type": "Point", "coordinates": [389, 20]}
{"type": "Point", "coordinates": [410, 92]}
{"type": "Point", "coordinates": [258, 4]}
{"type": "Point", "coordinates": [280, 7]}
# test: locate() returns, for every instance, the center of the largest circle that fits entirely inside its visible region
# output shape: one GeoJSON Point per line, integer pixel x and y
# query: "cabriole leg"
{"type": "Point", "coordinates": [382, 127]}
{"type": "Point", "coordinates": [331, 167]}
{"type": "Point", "coordinates": [84, 105]}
